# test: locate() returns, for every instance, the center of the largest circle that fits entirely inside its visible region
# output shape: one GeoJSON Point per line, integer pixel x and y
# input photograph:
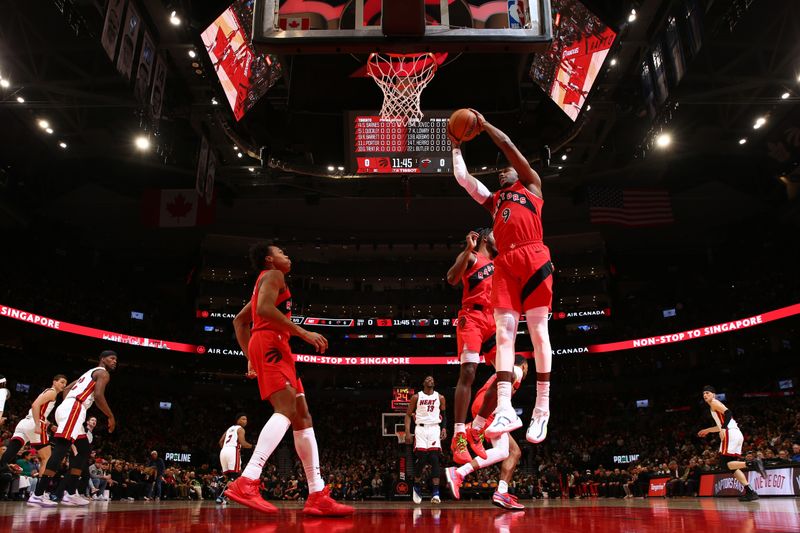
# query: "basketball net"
{"type": "Point", "coordinates": [401, 77]}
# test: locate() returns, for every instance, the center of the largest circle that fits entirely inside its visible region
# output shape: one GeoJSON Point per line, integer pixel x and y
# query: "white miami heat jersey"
{"type": "Point", "coordinates": [719, 419]}
{"type": "Point", "coordinates": [232, 437]}
{"type": "Point", "coordinates": [45, 412]}
{"type": "Point", "coordinates": [83, 391]}
{"type": "Point", "coordinates": [428, 408]}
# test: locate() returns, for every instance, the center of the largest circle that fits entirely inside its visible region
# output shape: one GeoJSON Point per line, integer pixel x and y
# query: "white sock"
{"type": "Point", "coordinates": [503, 395]}
{"type": "Point", "coordinates": [465, 470]}
{"type": "Point", "coordinates": [460, 428]}
{"type": "Point", "coordinates": [269, 438]}
{"type": "Point", "coordinates": [497, 453]}
{"type": "Point", "coordinates": [305, 444]}
{"type": "Point", "coordinates": [543, 396]}
{"type": "Point", "coordinates": [478, 422]}
{"type": "Point", "coordinates": [502, 487]}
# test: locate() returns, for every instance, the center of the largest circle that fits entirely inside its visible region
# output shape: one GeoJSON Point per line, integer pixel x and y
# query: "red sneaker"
{"type": "Point", "coordinates": [245, 491]}
{"type": "Point", "coordinates": [475, 440]}
{"type": "Point", "coordinates": [459, 448]}
{"type": "Point", "coordinates": [321, 504]}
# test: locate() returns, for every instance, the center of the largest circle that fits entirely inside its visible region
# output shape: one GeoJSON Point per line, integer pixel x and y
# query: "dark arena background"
{"type": "Point", "coordinates": [147, 145]}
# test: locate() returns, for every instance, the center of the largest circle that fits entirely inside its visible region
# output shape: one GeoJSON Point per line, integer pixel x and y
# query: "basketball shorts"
{"type": "Point", "coordinates": [230, 459]}
{"type": "Point", "coordinates": [26, 432]}
{"type": "Point", "coordinates": [272, 361]}
{"type": "Point", "coordinates": [70, 417]}
{"type": "Point", "coordinates": [426, 438]}
{"type": "Point", "coordinates": [473, 329]}
{"type": "Point", "coordinates": [523, 279]}
{"type": "Point", "coordinates": [731, 441]}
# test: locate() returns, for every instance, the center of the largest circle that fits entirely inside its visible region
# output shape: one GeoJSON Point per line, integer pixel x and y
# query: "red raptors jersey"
{"type": "Point", "coordinates": [517, 217]}
{"type": "Point", "coordinates": [283, 303]}
{"type": "Point", "coordinates": [477, 281]}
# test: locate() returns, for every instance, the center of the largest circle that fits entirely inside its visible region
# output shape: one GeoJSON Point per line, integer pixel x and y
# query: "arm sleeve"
{"type": "Point", "coordinates": [728, 417]}
{"type": "Point", "coordinates": [474, 188]}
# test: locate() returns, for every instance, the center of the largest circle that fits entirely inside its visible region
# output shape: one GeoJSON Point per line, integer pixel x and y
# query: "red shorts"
{"type": "Point", "coordinates": [273, 362]}
{"type": "Point", "coordinates": [473, 329]}
{"type": "Point", "coordinates": [523, 279]}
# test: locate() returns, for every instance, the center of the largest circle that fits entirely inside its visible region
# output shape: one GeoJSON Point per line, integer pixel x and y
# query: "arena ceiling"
{"type": "Point", "coordinates": [51, 54]}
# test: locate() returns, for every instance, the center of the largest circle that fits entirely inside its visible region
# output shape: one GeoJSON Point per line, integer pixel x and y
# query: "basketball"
{"type": "Point", "coordinates": [463, 125]}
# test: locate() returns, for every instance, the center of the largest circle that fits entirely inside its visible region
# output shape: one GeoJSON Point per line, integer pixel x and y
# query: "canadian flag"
{"type": "Point", "coordinates": [175, 208]}
{"type": "Point", "coordinates": [295, 23]}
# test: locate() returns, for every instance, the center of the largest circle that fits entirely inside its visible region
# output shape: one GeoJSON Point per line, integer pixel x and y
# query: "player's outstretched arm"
{"type": "Point", "coordinates": [412, 406]}
{"type": "Point", "coordinates": [271, 284]}
{"type": "Point", "coordinates": [102, 380]}
{"type": "Point", "coordinates": [464, 260]}
{"type": "Point", "coordinates": [242, 440]}
{"type": "Point", "coordinates": [529, 177]}
{"type": "Point", "coordinates": [468, 182]}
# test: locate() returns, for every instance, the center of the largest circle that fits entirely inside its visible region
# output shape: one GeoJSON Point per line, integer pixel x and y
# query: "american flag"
{"type": "Point", "coordinates": [629, 207]}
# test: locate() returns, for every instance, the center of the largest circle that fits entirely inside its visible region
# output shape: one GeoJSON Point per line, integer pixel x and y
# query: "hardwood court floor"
{"type": "Point", "coordinates": [581, 516]}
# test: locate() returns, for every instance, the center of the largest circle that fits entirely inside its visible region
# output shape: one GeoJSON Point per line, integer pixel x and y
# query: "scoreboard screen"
{"type": "Point", "coordinates": [379, 146]}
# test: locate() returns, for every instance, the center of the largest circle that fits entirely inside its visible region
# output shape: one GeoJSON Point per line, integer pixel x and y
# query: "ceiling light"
{"type": "Point", "coordinates": [20, 99]}
{"type": "Point", "coordinates": [142, 142]}
{"type": "Point", "coordinates": [5, 83]}
{"type": "Point", "coordinates": [613, 62]}
{"type": "Point", "coordinates": [214, 101]}
{"type": "Point", "coordinates": [742, 140]}
{"type": "Point", "coordinates": [62, 144]}
{"type": "Point", "coordinates": [785, 95]}
{"type": "Point", "coordinates": [330, 168]}
{"type": "Point", "coordinates": [251, 169]}
{"type": "Point", "coordinates": [340, 169]}
{"type": "Point", "coordinates": [192, 54]}
{"type": "Point", "coordinates": [588, 108]}
{"type": "Point", "coordinates": [663, 140]}
{"type": "Point", "coordinates": [560, 167]}
{"type": "Point", "coordinates": [43, 124]}
{"type": "Point", "coordinates": [239, 155]}
{"type": "Point", "coordinates": [484, 168]}
{"type": "Point", "coordinates": [174, 19]}
{"type": "Point", "coordinates": [564, 157]}
{"type": "Point", "coordinates": [760, 121]}
{"type": "Point", "coordinates": [49, 130]}
{"type": "Point", "coordinates": [632, 16]}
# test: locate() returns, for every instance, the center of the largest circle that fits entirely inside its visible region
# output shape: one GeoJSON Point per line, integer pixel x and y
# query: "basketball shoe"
{"type": "Point", "coordinates": [246, 491]}
{"type": "Point", "coordinates": [475, 440]}
{"type": "Point", "coordinates": [455, 480]}
{"type": "Point", "coordinates": [506, 501]}
{"type": "Point", "coordinates": [73, 500]}
{"type": "Point", "coordinates": [41, 501]}
{"type": "Point", "coordinates": [505, 421]}
{"type": "Point", "coordinates": [321, 504]}
{"type": "Point", "coordinates": [537, 430]}
{"type": "Point", "coordinates": [459, 448]}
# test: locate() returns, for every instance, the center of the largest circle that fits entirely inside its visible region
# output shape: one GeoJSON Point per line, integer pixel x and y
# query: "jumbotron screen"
{"type": "Point", "coordinates": [378, 146]}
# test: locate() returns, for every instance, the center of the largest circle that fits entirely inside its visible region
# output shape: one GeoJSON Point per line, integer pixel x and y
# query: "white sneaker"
{"type": "Point", "coordinates": [40, 501]}
{"type": "Point", "coordinates": [505, 421]}
{"type": "Point", "coordinates": [537, 430]}
{"type": "Point", "coordinates": [415, 496]}
{"type": "Point", "coordinates": [436, 499]}
{"type": "Point", "coordinates": [73, 500]}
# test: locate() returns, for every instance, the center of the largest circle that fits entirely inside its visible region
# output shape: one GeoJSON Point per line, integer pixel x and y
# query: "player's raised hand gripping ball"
{"type": "Point", "coordinates": [463, 125]}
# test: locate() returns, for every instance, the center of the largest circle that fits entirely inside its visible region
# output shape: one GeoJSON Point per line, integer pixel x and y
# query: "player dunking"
{"type": "Point", "coordinates": [428, 410]}
{"type": "Point", "coordinates": [81, 394]}
{"type": "Point", "coordinates": [231, 442]}
{"type": "Point", "coordinates": [503, 449]}
{"type": "Point", "coordinates": [731, 440]}
{"type": "Point", "coordinates": [473, 268]}
{"type": "Point", "coordinates": [269, 357]}
{"type": "Point", "coordinates": [33, 428]}
{"type": "Point", "coordinates": [523, 280]}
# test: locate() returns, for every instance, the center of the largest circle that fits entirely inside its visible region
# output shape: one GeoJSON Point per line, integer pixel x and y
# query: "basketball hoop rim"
{"type": "Point", "coordinates": [426, 73]}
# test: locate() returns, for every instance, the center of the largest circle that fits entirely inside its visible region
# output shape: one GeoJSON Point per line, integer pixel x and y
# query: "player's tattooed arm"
{"type": "Point", "coordinates": [412, 406]}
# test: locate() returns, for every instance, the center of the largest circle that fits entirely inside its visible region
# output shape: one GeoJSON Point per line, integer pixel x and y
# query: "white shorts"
{"type": "Point", "coordinates": [426, 438]}
{"type": "Point", "coordinates": [230, 460]}
{"type": "Point", "coordinates": [70, 417]}
{"type": "Point", "coordinates": [26, 432]}
{"type": "Point", "coordinates": [731, 441]}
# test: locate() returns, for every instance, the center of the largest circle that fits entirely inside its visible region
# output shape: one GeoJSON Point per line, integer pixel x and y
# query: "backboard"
{"type": "Point", "coordinates": [355, 26]}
